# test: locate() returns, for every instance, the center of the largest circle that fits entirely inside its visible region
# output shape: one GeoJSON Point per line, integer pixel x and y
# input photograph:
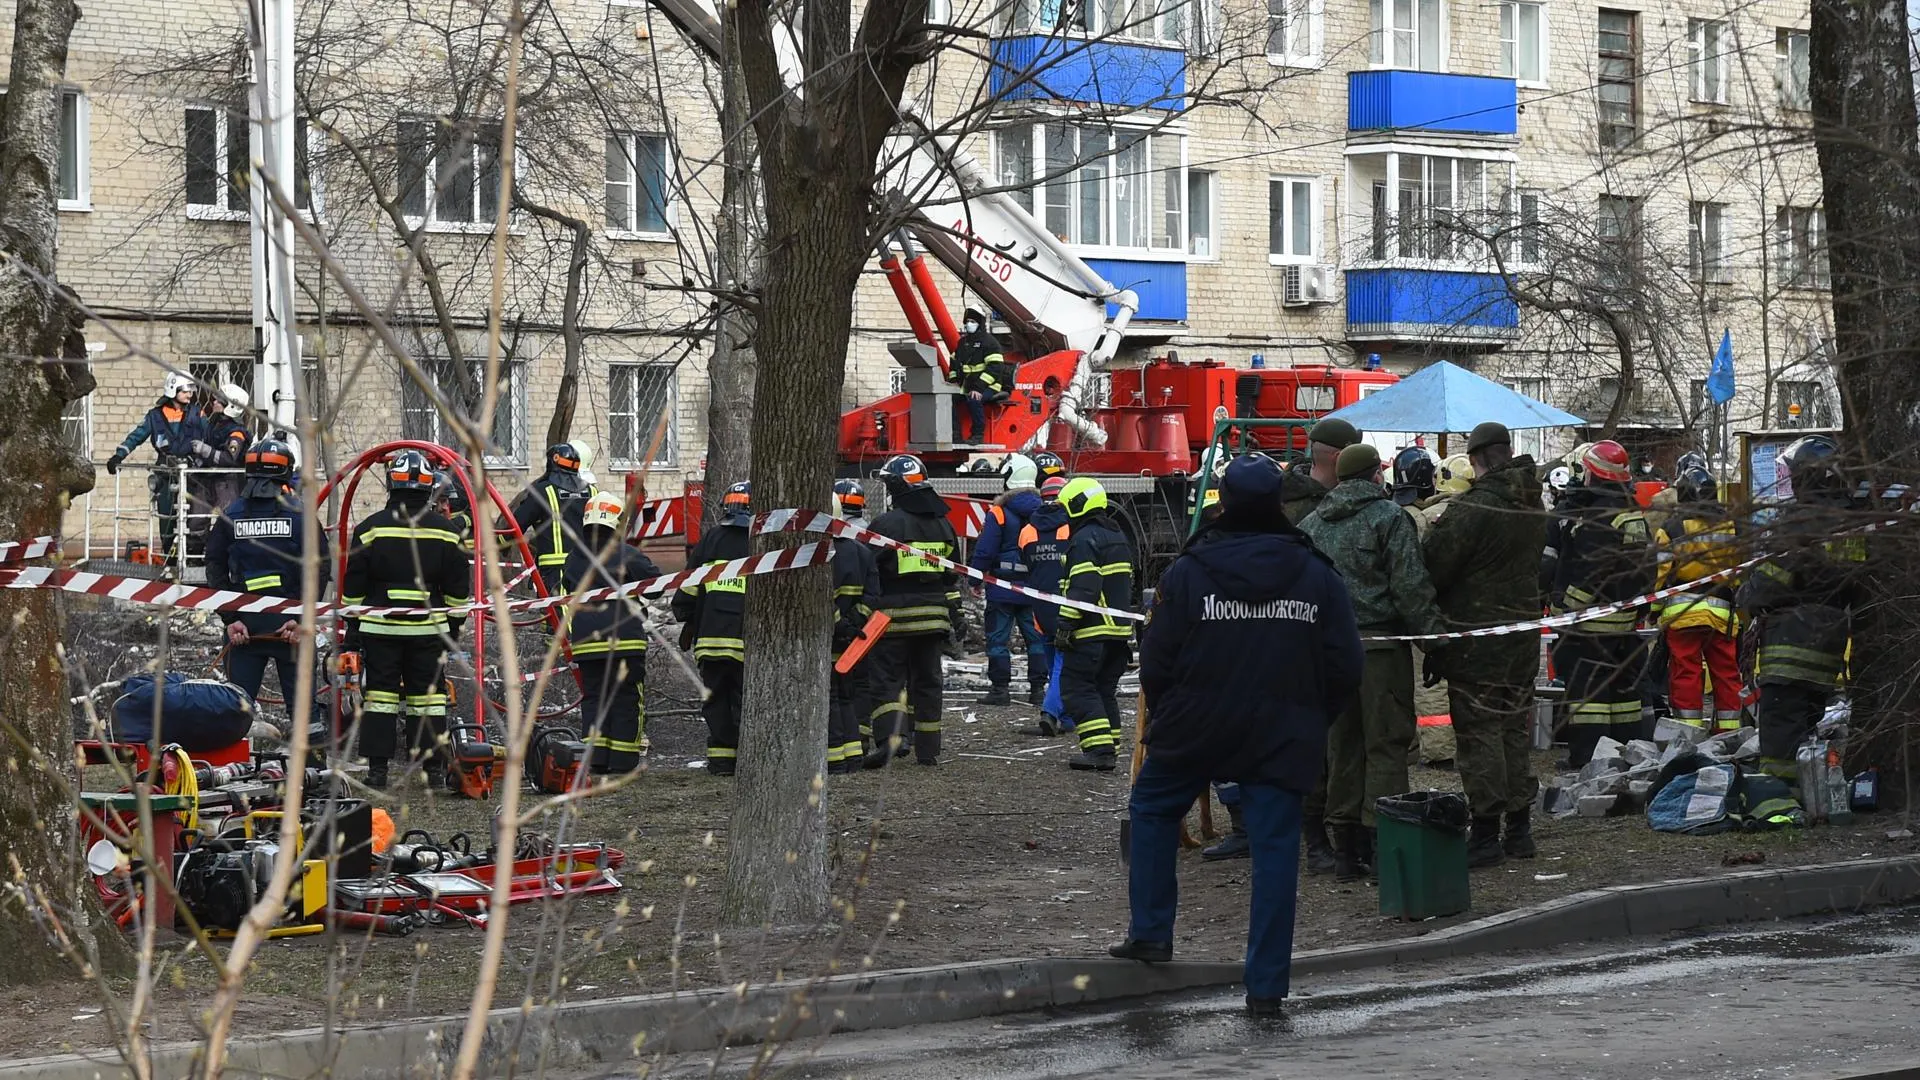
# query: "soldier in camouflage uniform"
{"type": "Point", "coordinates": [1482, 555]}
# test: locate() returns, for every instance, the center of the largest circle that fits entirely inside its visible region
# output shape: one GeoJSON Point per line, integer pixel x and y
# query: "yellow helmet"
{"type": "Point", "coordinates": [1082, 496]}
{"type": "Point", "coordinates": [603, 510]}
{"type": "Point", "coordinates": [1456, 474]}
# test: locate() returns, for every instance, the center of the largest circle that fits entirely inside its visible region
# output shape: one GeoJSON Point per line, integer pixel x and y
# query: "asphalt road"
{"type": "Point", "coordinates": [1827, 1000]}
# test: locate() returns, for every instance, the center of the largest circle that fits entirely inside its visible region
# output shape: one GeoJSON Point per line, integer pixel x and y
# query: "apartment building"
{"type": "Point", "coordinates": [1308, 181]}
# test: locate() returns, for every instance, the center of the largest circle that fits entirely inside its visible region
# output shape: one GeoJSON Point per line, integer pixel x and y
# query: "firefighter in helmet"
{"type": "Point", "coordinates": [922, 597]}
{"type": "Point", "coordinates": [856, 584]}
{"type": "Point", "coordinates": [173, 426]}
{"type": "Point", "coordinates": [405, 556]}
{"type": "Point", "coordinates": [608, 638]}
{"type": "Point", "coordinates": [713, 614]}
{"type": "Point", "coordinates": [255, 547]}
{"type": "Point", "coordinates": [548, 511]}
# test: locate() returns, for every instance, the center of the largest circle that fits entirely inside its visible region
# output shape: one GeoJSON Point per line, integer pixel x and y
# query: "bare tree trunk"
{"type": "Point", "coordinates": [566, 400]}
{"type": "Point", "coordinates": [42, 894]}
{"type": "Point", "coordinates": [731, 372]}
{"type": "Point", "coordinates": [1869, 147]}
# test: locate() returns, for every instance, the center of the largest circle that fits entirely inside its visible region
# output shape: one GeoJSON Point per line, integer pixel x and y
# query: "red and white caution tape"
{"type": "Point", "coordinates": [36, 548]}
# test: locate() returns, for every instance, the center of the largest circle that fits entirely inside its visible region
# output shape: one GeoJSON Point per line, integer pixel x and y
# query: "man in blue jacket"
{"type": "Point", "coordinates": [998, 553]}
{"type": "Point", "coordinates": [1249, 584]}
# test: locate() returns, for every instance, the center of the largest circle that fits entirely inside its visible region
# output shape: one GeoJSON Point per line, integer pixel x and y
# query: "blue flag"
{"type": "Point", "coordinates": [1720, 378]}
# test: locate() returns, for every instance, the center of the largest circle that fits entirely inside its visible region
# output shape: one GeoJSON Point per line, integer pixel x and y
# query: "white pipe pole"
{"type": "Point", "coordinates": [271, 125]}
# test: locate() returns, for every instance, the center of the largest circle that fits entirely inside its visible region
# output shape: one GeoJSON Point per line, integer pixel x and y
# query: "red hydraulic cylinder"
{"type": "Point", "coordinates": [942, 318]}
{"type": "Point", "coordinates": [909, 303]}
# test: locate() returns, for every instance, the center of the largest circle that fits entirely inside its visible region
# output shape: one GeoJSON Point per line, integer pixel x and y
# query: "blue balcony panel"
{"type": "Point", "coordinates": [1161, 286]}
{"type": "Point", "coordinates": [1431, 306]}
{"type": "Point", "coordinates": [1431, 101]}
{"type": "Point", "coordinates": [1043, 67]}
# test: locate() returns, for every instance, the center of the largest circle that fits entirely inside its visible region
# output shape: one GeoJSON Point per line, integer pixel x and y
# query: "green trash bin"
{"type": "Point", "coordinates": [1421, 854]}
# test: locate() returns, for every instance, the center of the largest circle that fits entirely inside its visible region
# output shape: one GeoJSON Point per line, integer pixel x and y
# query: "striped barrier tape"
{"type": "Point", "coordinates": [136, 590]}
{"type": "Point", "coordinates": [17, 551]}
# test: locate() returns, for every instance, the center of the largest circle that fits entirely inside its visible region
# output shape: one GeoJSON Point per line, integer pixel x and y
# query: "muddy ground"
{"type": "Point", "coordinates": [1001, 851]}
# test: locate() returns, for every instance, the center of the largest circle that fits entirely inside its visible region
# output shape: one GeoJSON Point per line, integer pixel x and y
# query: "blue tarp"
{"type": "Point", "coordinates": [1444, 398]}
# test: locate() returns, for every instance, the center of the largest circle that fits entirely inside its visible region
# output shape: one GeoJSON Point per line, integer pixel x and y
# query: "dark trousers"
{"type": "Point", "coordinates": [1493, 745]}
{"type": "Point", "coordinates": [975, 414]}
{"type": "Point", "coordinates": [847, 720]}
{"type": "Point", "coordinates": [1788, 712]}
{"type": "Point", "coordinates": [1367, 745]}
{"type": "Point", "coordinates": [1089, 682]}
{"type": "Point", "coordinates": [247, 669]}
{"type": "Point", "coordinates": [613, 707]}
{"type": "Point", "coordinates": [1000, 622]}
{"type": "Point", "coordinates": [726, 683]}
{"type": "Point", "coordinates": [1603, 689]}
{"type": "Point", "coordinates": [906, 681]}
{"type": "Point", "coordinates": [1160, 800]}
{"type": "Point", "coordinates": [403, 675]}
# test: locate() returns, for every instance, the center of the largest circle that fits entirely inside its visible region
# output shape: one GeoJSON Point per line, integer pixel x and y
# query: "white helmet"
{"type": "Point", "coordinates": [1020, 472]}
{"type": "Point", "coordinates": [603, 509]}
{"type": "Point", "coordinates": [585, 450]}
{"type": "Point", "coordinates": [235, 397]}
{"type": "Point", "coordinates": [177, 382]}
{"type": "Point", "coordinates": [1560, 478]}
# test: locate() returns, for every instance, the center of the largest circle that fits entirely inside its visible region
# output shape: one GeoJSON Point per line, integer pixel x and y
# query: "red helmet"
{"type": "Point", "coordinates": [1607, 460]}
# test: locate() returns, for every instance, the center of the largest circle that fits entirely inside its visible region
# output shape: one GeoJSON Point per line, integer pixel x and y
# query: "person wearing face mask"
{"type": "Point", "coordinates": [979, 369]}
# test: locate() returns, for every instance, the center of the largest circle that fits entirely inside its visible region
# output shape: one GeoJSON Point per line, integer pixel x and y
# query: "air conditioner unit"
{"type": "Point", "coordinates": [1308, 285]}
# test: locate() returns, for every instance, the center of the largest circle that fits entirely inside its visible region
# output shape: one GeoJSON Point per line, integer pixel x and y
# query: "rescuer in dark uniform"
{"type": "Point", "coordinates": [715, 613]}
{"type": "Point", "coordinates": [254, 547]}
{"type": "Point", "coordinates": [923, 599]}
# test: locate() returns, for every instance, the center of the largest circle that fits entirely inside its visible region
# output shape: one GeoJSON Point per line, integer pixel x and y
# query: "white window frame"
{"type": "Point", "coordinates": [669, 220]}
{"type": "Point", "coordinates": [1530, 441]}
{"type": "Point", "coordinates": [1211, 237]}
{"type": "Point", "coordinates": [1042, 193]}
{"type": "Point", "coordinates": [1301, 27]}
{"type": "Point", "coordinates": [625, 459]}
{"type": "Point", "coordinates": [1708, 53]}
{"type": "Point", "coordinates": [78, 413]}
{"type": "Point", "coordinates": [1800, 247]}
{"type": "Point", "coordinates": [224, 118]}
{"type": "Point", "coordinates": [483, 215]}
{"type": "Point", "coordinates": [1707, 243]}
{"type": "Point", "coordinates": [1171, 22]}
{"type": "Point", "coordinates": [1386, 33]}
{"type": "Point", "coordinates": [1523, 249]}
{"type": "Point", "coordinates": [1512, 35]}
{"type": "Point", "coordinates": [515, 393]}
{"type": "Point", "coordinates": [1468, 252]}
{"type": "Point", "coordinates": [1792, 82]}
{"type": "Point", "coordinates": [1288, 188]}
{"type": "Point", "coordinates": [82, 146]}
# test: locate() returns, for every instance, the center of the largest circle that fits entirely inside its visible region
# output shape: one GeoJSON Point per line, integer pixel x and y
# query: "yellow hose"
{"type": "Point", "coordinates": [185, 782]}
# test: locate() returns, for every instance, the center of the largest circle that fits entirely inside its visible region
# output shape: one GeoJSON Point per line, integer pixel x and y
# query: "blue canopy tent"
{"type": "Point", "coordinates": [1443, 398]}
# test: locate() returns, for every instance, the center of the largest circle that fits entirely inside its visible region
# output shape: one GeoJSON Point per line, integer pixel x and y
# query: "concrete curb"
{"type": "Point", "coordinates": [614, 1031]}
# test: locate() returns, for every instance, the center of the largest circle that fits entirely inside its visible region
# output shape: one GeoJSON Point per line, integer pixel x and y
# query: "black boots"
{"type": "Point", "coordinates": [1094, 762]}
{"type": "Point", "coordinates": [1036, 694]}
{"type": "Point", "coordinates": [1313, 836]}
{"type": "Point", "coordinates": [1519, 839]}
{"type": "Point", "coordinates": [997, 695]}
{"type": "Point", "coordinates": [377, 773]}
{"type": "Point", "coordinates": [1234, 845]}
{"type": "Point", "coordinates": [1152, 952]}
{"type": "Point", "coordinates": [1046, 727]}
{"type": "Point", "coordinates": [1483, 845]}
{"type": "Point", "coordinates": [1350, 853]}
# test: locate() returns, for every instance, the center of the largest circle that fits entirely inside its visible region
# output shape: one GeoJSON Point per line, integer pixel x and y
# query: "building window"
{"type": "Point", "coordinates": [1523, 41]}
{"type": "Point", "coordinates": [1202, 242]}
{"type": "Point", "coordinates": [1792, 68]}
{"type": "Point", "coordinates": [1101, 186]}
{"type": "Point", "coordinates": [639, 397]}
{"type": "Point", "coordinates": [1428, 207]}
{"type": "Point", "coordinates": [213, 372]}
{"type": "Point", "coordinates": [76, 181]}
{"type": "Point", "coordinates": [449, 172]}
{"type": "Point", "coordinates": [1801, 403]}
{"type": "Point", "coordinates": [1619, 83]}
{"type": "Point", "coordinates": [1293, 219]}
{"type": "Point", "coordinates": [1708, 42]}
{"type": "Point", "coordinates": [1800, 246]}
{"type": "Point", "coordinates": [1706, 242]}
{"type": "Point", "coordinates": [1152, 20]}
{"type": "Point", "coordinates": [220, 163]}
{"type": "Point", "coordinates": [1617, 230]}
{"type": "Point", "coordinates": [1294, 31]}
{"type": "Point", "coordinates": [1410, 34]}
{"type": "Point", "coordinates": [1523, 243]}
{"type": "Point", "coordinates": [421, 419]}
{"type": "Point", "coordinates": [637, 183]}
{"type": "Point", "coordinates": [76, 426]}
{"type": "Point", "coordinates": [1529, 441]}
